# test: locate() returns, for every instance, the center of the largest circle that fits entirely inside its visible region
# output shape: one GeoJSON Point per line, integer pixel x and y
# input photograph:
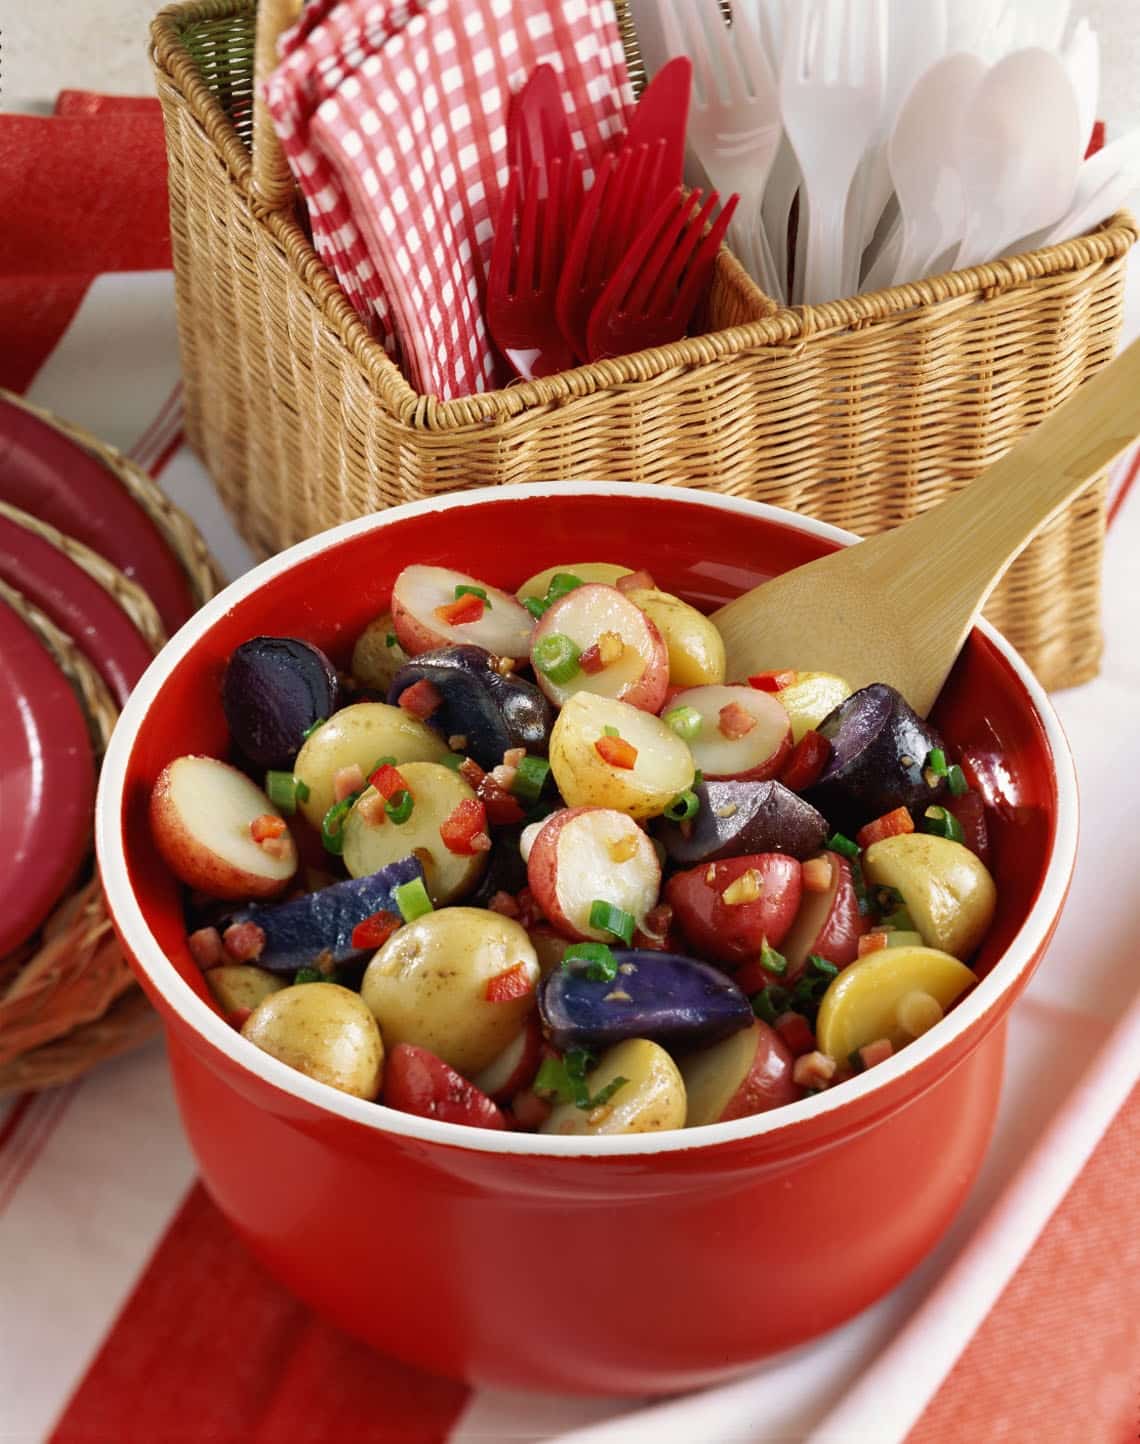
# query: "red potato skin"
{"type": "Point", "coordinates": [771, 767]}
{"type": "Point", "coordinates": [733, 934]}
{"type": "Point", "coordinates": [837, 940]}
{"type": "Point", "coordinates": [196, 865]}
{"type": "Point", "coordinates": [649, 691]}
{"type": "Point", "coordinates": [524, 1072]}
{"type": "Point", "coordinates": [416, 1081]}
{"type": "Point", "coordinates": [412, 634]}
{"type": "Point", "coordinates": [542, 870]}
{"type": "Point", "coordinates": [768, 1083]}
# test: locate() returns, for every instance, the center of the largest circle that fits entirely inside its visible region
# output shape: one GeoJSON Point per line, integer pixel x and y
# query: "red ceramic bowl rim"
{"type": "Point", "coordinates": [213, 1029]}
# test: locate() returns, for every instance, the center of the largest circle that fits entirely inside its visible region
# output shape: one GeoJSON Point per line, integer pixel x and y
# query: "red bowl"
{"type": "Point", "coordinates": [629, 1265]}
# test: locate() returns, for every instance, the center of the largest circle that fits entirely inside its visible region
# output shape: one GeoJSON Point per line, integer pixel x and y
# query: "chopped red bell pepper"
{"type": "Point", "coordinates": [591, 661]}
{"type": "Point", "coordinates": [871, 942]}
{"type": "Point", "coordinates": [508, 986]}
{"type": "Point", "coordinates": [465, 609]}
{"type": "Point", "coordinates": [771, 681]}
{"type": "Point", "coordinates": [806, 764]}
{"type": "Point", "coordinates": [467, 823]}
{"type": "Point", "coordinates": [617, 752]}
{"type": "Point", "coordinates": [503, 810]}
{"type": "Point", "coordinates": [891, 824]}
{"type": "Point", "coordinates": [375, 930]}
{"type": "Point", "coordinates": [796, 1034]}
{"type": "Point", "coordinates": [266, 826]}
{"type": "Point", "coordinates": [422, 698]}
{"type": "Point", "coordinates": [735, 721]}
{"type": "Point", "coordinates": [388, 781]}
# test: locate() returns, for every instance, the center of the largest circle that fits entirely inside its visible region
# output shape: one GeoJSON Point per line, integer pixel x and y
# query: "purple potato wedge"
{"type": "Point", "coordinates": [738, 818]}
{"type": "Point", "coordinates": [273, 691]}
{"type": "Point", "coordinates": [879, 749]}
{"type": "Point", "coordinates": [665, 997]}
{"type": "Point", "coordinates": [318, 927]}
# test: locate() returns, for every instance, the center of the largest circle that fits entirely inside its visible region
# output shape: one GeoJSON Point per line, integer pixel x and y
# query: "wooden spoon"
{"type": "Point", "coordinates": [898, 607]}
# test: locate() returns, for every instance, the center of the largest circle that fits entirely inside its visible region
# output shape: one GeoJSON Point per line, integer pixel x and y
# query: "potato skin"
{"type": "Point", "coordinates": [374, 662]}
{"type": "Point", "coordinates": [862, 1003]}
{"type": "Point", "coordinates": [664, 764]}
{"type": "Point", "coordinates": [695, 647]}
{"type": "Point", "coordinates": [240, 985]}
{"type": "Point", "coordinates": [361, 733]}
{"type": "Point", "coordinates": [651, 1100]}
{"type": "Point", "coordinates": [427, 985]}
{"type": "Point", "coordinates": [605, 572]}
{"type": "Point", "coordinates": [948, 891]}
{"type": "Point", "coordinates": [324, 1031]}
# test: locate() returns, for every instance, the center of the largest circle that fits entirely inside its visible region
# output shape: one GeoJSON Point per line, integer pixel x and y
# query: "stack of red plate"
{"type": "Point", "coordinates": [90, 586]}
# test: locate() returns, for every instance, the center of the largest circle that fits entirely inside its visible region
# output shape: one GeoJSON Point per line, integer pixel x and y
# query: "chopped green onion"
{"type": "Point", "coordinates": [566, 1079]}
{"type": "Point", "coordinates": [842, 845]}
{"type": "Point", "coordinates": [308, 732]}
{"type": "Point", "coordinates": [311, 975]}
{"type": "Point", "coordinates": [537, 607]}
{"type": "Point", "coordinates": [480, 592]}
{"type": "Point", "coordinates": [772, 961]}
{"type": "Point", "coordinates": [601, 965]}
{"type": "Point", "coordinates": [281, 789]}
{"type": "Point", "coordinates": [412, 900]}
{"type": "Point", "coordinates": [686, 722]}
{"type": "Point", "coordinates": [399, 808]}
{"type": "Point", "coordinates": [604, 1095]}
{"type": "Point", "coordinates": [859, 883]}
{"type": "Point", "coordinates": [561, 583]}
{"type": "Point", "coordinates": [939, 820]}
{"type": "Point", "coordinates": [301, 789]}
{"type": "Point", "coordinates": [684, 806]}
{"type": "Point", "coordinates": [609, 731]}
{"type": "Point", "coordinates": [770, 1002]}
{"type": "Point", "coordinates": [821, 965]}
{"type": "Point", "coordinates": [936, 762]}
{"type": "Point", "coordinates": [390, 640]}
{"type": "Point", "coordinates": [530, 778]}
{"type": "Point", "coordinates": [453, 760]}
{"type": "Point", "coordinates": [957, 780]}
{"type": "Point", "coordinates": [698, 778]}
{"type": "Point", "coordinates": [610, 919]}
{"type": "Point", "coordinates": [381, 762]}
{"type": "Point", "coordinates": [332, 825]}
{"type": "Point", "coordinates": [556, 657]}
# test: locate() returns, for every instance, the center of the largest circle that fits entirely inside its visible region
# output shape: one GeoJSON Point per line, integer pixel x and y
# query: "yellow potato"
{"type": "Point", "coordinates": [377, 656]}
{"type": "Point", "coordinates": [436, 793]}
{"type": "Point", "coordinates": [810, 698]}
{"type": "Point", "coordinates": [663, 768]}
{"type": "Point", "coordinates": [240, 985]}
{"type": "Point", "coordinates": [947, 890]}
{"type": "Point", "coordinates": [428, 985]}
{"type": "Point", "coordinates": [362, 733]}
{"type": "Point", "coordinates": [605, 572]}
{"type": "Point", "coordinates": [695, 647]}
{"type": "Point", "coordinates": [883, 994]}
{"type": "Point", "coordinates": [650, 1100]}
{"type": "Point", "coordinates": [324, 1031]}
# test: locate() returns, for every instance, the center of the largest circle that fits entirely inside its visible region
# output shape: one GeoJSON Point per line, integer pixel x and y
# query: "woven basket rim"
{"type": "Point", "coordinates": [784, 328]}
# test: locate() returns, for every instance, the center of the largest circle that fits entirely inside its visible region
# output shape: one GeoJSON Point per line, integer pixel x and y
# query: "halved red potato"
{"type": "Point", "coordinates": [583, 854]}
{"type": "Point", "coordinates": [515, 1067]}
{"type": "Point", "coordinates": [662, 766]}
{"type": "Point", "coordinates": [605, 572]}
{"type": "Point", "coordinates": [829, 923]}
{"type": "Point", "coordinates": [422, 596]}
{"type": "Point", "coordinates": [201, 812]}
{"type": "Point", "coordinates": [622, 654]}
{"type": "Point", "coordinates": [743, 733]}
{"type": "Point", "coordinates": [728, 910]}
{"type": "Point", "coordinates": [749, 1072]}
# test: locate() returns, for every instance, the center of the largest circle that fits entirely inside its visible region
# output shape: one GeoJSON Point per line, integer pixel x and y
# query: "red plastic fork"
{"type": "Point", "coordinates": [523, 277]}
{"type": "Point", "coordinates": [538, 132]}
{"type": "Point", "coordinates": [607, 226]}
{"type": "Point", "coordinates": [652, 295]}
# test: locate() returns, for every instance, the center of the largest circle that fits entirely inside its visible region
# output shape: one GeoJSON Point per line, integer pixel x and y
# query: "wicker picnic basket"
{"type": "Point", "coordinates": [67, 997]}
{"type": "Point", "coordinates": [862, 412]}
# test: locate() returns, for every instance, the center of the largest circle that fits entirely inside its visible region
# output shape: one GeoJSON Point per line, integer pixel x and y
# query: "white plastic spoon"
{"type": "Point", "coordinates": [1081, 57]}
{"type": "Point", "coordinates": [1105, 182]}
{"type": "Point", "coordinates": [1019, 151]}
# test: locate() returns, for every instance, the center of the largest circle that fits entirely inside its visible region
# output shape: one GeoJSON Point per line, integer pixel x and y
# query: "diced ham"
{"type": "Point", "coordinates": [735, 721]}
{"type": "Point", "coordinates": [245, 942]}
{"type": "Point", "coordinates": [813, 1071]}
{"type": "Point", "coordinates": [347, 781]}
{"type": "Point", "coordinates": [206, 948]}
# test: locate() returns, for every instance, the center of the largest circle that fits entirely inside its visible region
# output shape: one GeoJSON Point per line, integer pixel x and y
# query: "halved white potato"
{"type": "Point", "coordinates": [758, 753]}
{"type": "Point", "coordinates": [946, 888]}
{"type": "Point", "coordinates": [695, 647]}
{"type": "Point", "coordinates": [663, 767]}
{"type": "Point", "coordinates": [200, 815]}
{"type": "Point", "coordinates": [504, 627]}
{"type": "Point", "coordinates": [360, 734]}
{"type": "Point", "coordinates": [429, 983]}
{"type": "Point", "coordinates": [810, 698]}
{"type": "Point", "coordinates": [324, 1031]}
{"type": "Point", "coordinates": [436, 793]}
{"type": "Point", "coordinates": [594, 854]}
{"type": "Point", "coordinates": [377, 655]}
{"type": "Point", "coordinates": [651, 1099]}
{"type": "Point", "coordinates": [605, 572]}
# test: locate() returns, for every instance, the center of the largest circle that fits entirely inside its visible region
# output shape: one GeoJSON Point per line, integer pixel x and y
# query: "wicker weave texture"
{"type": "Point", "coordinates": [862, 413]}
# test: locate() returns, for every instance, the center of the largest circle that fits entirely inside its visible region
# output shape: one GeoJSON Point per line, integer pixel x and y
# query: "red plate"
{"type": "Point", "coordinates": [45, 473]}
{"type": "Point", "coordinates": [47, 783]}
{"type": "Point", "coordinates": [76, 602]}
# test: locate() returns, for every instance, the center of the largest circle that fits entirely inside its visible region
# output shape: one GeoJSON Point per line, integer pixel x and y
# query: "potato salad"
{"type": "Point", "coordinates": [535, 862]}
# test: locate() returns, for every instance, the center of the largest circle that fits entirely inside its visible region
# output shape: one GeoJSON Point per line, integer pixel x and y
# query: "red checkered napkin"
{"type": "Point", "coordinates": [416, 137]}
{"type": "Point", "coordinates": [320, 51]}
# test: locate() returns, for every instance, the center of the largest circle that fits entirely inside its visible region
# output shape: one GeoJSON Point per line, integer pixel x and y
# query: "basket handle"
{"type": "Point", "coordinates": [272, 178]}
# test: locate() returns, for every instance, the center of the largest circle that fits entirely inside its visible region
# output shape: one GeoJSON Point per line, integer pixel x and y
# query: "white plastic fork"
{"type": "Point", "coordinates": [831, 88]}
{"type": "Point", "coordinates": [734, 115]}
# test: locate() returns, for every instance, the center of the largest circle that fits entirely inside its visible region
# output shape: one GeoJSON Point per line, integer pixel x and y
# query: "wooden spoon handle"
{"type": "Point", "coordinates": [973, 537]}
